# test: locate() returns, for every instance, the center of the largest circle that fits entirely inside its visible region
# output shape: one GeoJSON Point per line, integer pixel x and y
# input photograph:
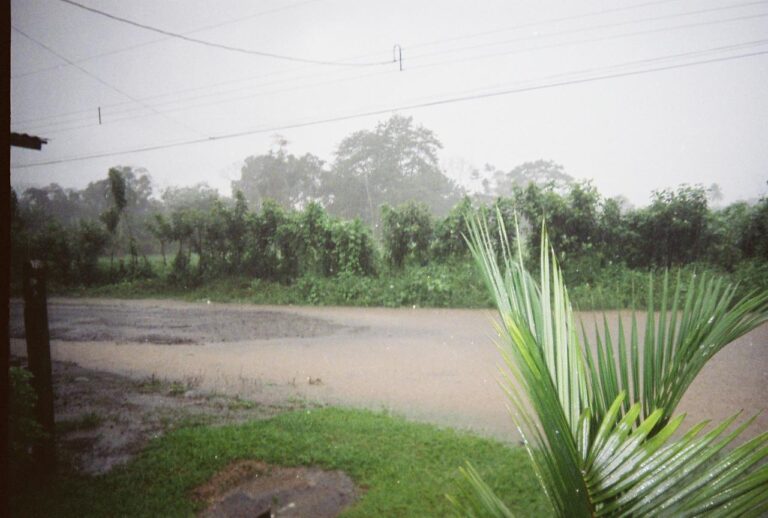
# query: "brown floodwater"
{"type": "Point", "coordinates": [435, 365]}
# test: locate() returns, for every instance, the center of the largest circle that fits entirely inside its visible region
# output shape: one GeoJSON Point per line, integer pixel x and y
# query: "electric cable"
{"type": "Point", "coordinates": [598, 39]}
{"type": "Point", "coordinates": [451, 51]}
{"type": "Point", "coordinates": [222, 46]}
{"type": "Point", "coordinates": [574, 75]}
{"type": "Point", "coordinates": [613, 25]}
{"type": "Point", "coordinates": [415, 106]}
{"type": "Point", "coordinates": [208, 27]}
{"type": "Point", "coordinates": [105, 83]}
{"type": "Point", "coordinates": [158, 40]}
{"type": "Point", "coordinates": [52, 128]}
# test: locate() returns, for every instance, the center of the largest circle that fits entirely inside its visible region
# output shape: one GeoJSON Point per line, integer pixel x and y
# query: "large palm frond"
{"type": "Point", "coordinates": [598, 425]}
{"type": "Point", "coordinates": [679, 339]}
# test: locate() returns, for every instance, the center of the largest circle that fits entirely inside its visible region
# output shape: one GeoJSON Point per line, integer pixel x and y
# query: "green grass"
{"type": "Point", "coordinates": [439, 285]}
{"type": "Point", "coordinates": [404, 469]}
{"type": "Point", "coordinates": [455, 284]}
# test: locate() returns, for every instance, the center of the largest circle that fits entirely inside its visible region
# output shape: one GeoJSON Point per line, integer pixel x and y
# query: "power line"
{"type": "Point", "coordinates": [158, 40]}
{"type": "Point", "coordinates": [208, 27]}
{"type": "Point", "coordinates": [740, 46]}
{"type": "Point", "coordinates": [617, 24]}
{"type": "Point", "coordinates": [177, 93]}
{"type": "Point", "coordinates": [182, 104]}
{"type": "Point", "coordinates": [415, 106]}
{"type": "Point", "coordinates": [100, 80]}
{"type": "Point", "coordinates": [660, 59]}
{"type": "Point", "coordinates": [291, 6]}
{"type": "Point", "coordinates": [582, 41]}
{"type": "Point", "coordinates": [214, 103]}
{"type": "Point", "coordinates": [419, 56]}
{"type": "Point", "coordinates": [222, 46]}
{"type": "Point", "coordinates": [544, 22]}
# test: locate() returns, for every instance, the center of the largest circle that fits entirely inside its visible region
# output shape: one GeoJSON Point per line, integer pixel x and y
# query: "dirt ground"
{"type": "Point", "coordinates": [104, 419]}
{"type": "Point", "coordinates": [435, 365]}
{"type": "Point", "coordinates": [251, 488]}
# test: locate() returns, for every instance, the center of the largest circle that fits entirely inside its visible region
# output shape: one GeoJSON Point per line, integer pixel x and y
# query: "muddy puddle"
{"type": "Point", "coordinates": [120, 321]}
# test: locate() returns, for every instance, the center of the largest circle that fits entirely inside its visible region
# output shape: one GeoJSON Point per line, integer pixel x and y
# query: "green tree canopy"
{"type": "Point", "coordinates": [289, 180]}
{"type": "Point", "coordinates": [542, 173]}
{"type": "Point", "coordinates": [395, 163]}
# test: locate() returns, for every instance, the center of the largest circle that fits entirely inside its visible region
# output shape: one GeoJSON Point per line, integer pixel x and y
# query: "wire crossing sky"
{"type": "Point", "coordinates": [221, 46]}
{"type": "Point", "coordinates": [637, 97]}
{"type": "Point", "coordinates": [607, 75]}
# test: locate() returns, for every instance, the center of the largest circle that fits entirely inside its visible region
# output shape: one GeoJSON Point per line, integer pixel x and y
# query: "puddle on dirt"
{"type": "Point", "coordinates": [255, 489]}
{"type": "Point", "coordinates": [163, 325]}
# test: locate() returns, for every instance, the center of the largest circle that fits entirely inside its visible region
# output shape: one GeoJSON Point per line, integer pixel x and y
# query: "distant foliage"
{"type": "Point", "coordinates": [448, 242]}
{"type": "Point", "coordinates": [383, 205]}
{"type": "Point", "coordinates": [390, 165]}
{"type": "Point", "coordinates": [753, 239]}
{"type": "Point", "coordinates": [541, 173]}
{"type": "Point", "coordinates": [672, 230]}
{"type": "Point", "coordinates": [272, 244]}
{"type": "Point", "coordinates": [90, 242]}
{"type": "Point", "coordinates": [407, 233]}
{"type": "Point", "coordinates": [288, 180]}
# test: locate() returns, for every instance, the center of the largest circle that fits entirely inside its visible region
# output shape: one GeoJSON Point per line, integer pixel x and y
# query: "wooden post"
{"type": "Point", "coordinates": [5, 271]}
{"type": "Point", "coordinates": [39, 361]}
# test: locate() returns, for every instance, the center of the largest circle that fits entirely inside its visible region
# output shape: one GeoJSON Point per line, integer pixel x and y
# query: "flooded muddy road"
{"type": "Point", "coordinates": [436, 365]}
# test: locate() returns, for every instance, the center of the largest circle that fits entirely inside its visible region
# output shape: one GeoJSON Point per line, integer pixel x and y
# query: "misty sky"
{"type": "Point", "coordinates": [690, 123]}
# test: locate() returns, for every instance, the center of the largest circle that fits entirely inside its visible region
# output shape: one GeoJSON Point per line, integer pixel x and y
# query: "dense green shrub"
{"type": "Point", "coordinates": [752, 275]}
{"type": "Point", "coordinates": [601, 243]}
{"type": "Point", "coordinates": [435, 285]}
{"type": "Point", "coordinates": [407, 233]}
{"type": "Point", "coordinates": [754, 242]}
{"type": "Point", "coordinates": [349, 249]}
{"type": "Point", "coordinates": [448, 241]}
{"type": "Point", "coordinates": [672, 230]}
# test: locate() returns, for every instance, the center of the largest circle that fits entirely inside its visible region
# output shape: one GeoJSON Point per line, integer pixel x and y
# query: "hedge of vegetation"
{"type": "Point", "coordinates": [410, 258]}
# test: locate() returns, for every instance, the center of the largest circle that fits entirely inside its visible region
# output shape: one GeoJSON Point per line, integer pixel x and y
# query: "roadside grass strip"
{"type": "Point", "coordinates": [402, 468]}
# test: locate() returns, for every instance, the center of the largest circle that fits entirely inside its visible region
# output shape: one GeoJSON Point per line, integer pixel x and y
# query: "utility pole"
{"type": "Point", "coordinates": [397, 55]}
{"type": "Point", "coordinates": [39, 363]}
{"type": "Point", "coordinates": [5, 274]}
{"type": "Point", "coordinates": [36, 330]}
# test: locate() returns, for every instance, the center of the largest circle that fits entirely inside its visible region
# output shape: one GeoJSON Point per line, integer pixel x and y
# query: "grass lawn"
{"type": "Point", "coordinates": [404, 468]}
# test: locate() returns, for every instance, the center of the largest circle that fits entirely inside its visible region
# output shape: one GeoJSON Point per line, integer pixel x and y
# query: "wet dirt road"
{"type": "Point", "coordinates": [436, 365]}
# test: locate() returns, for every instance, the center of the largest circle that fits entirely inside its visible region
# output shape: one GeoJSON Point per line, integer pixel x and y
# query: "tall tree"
{"type": "Point", "coordinates": [111, 216]}
{"type": "Point", "coordinates": [395, 163]}
{"type": "Point", "coordinates": [293, 182]}
{"type": "Point", "coordinates": [542, 173]}
{"type": "Point", "coordinates": [201, 197]}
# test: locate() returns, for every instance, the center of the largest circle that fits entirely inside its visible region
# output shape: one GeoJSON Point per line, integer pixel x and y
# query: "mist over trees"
{"type": "Point", "coordinates": [383, 205]}
{"type": "Point", "coordinates": [542, 173]}
{"type": "Point", "coordinates": [391, 164]}
{"type": "Point", "coordinates": [291, 181]}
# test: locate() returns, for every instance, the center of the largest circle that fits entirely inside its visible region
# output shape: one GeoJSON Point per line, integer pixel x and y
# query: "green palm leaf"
{"type": "Point", "coordinates": [598, 423]}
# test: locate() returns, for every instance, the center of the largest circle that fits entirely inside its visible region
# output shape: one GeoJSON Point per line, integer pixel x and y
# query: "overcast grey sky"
{"type": "Point", "coordinates": [683, 121]}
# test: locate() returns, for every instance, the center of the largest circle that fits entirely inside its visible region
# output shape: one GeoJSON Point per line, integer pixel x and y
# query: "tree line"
{"type": "Point", "coordinates": [221, 237]}
{"type": "Point", "coordinates": [293, 216]}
